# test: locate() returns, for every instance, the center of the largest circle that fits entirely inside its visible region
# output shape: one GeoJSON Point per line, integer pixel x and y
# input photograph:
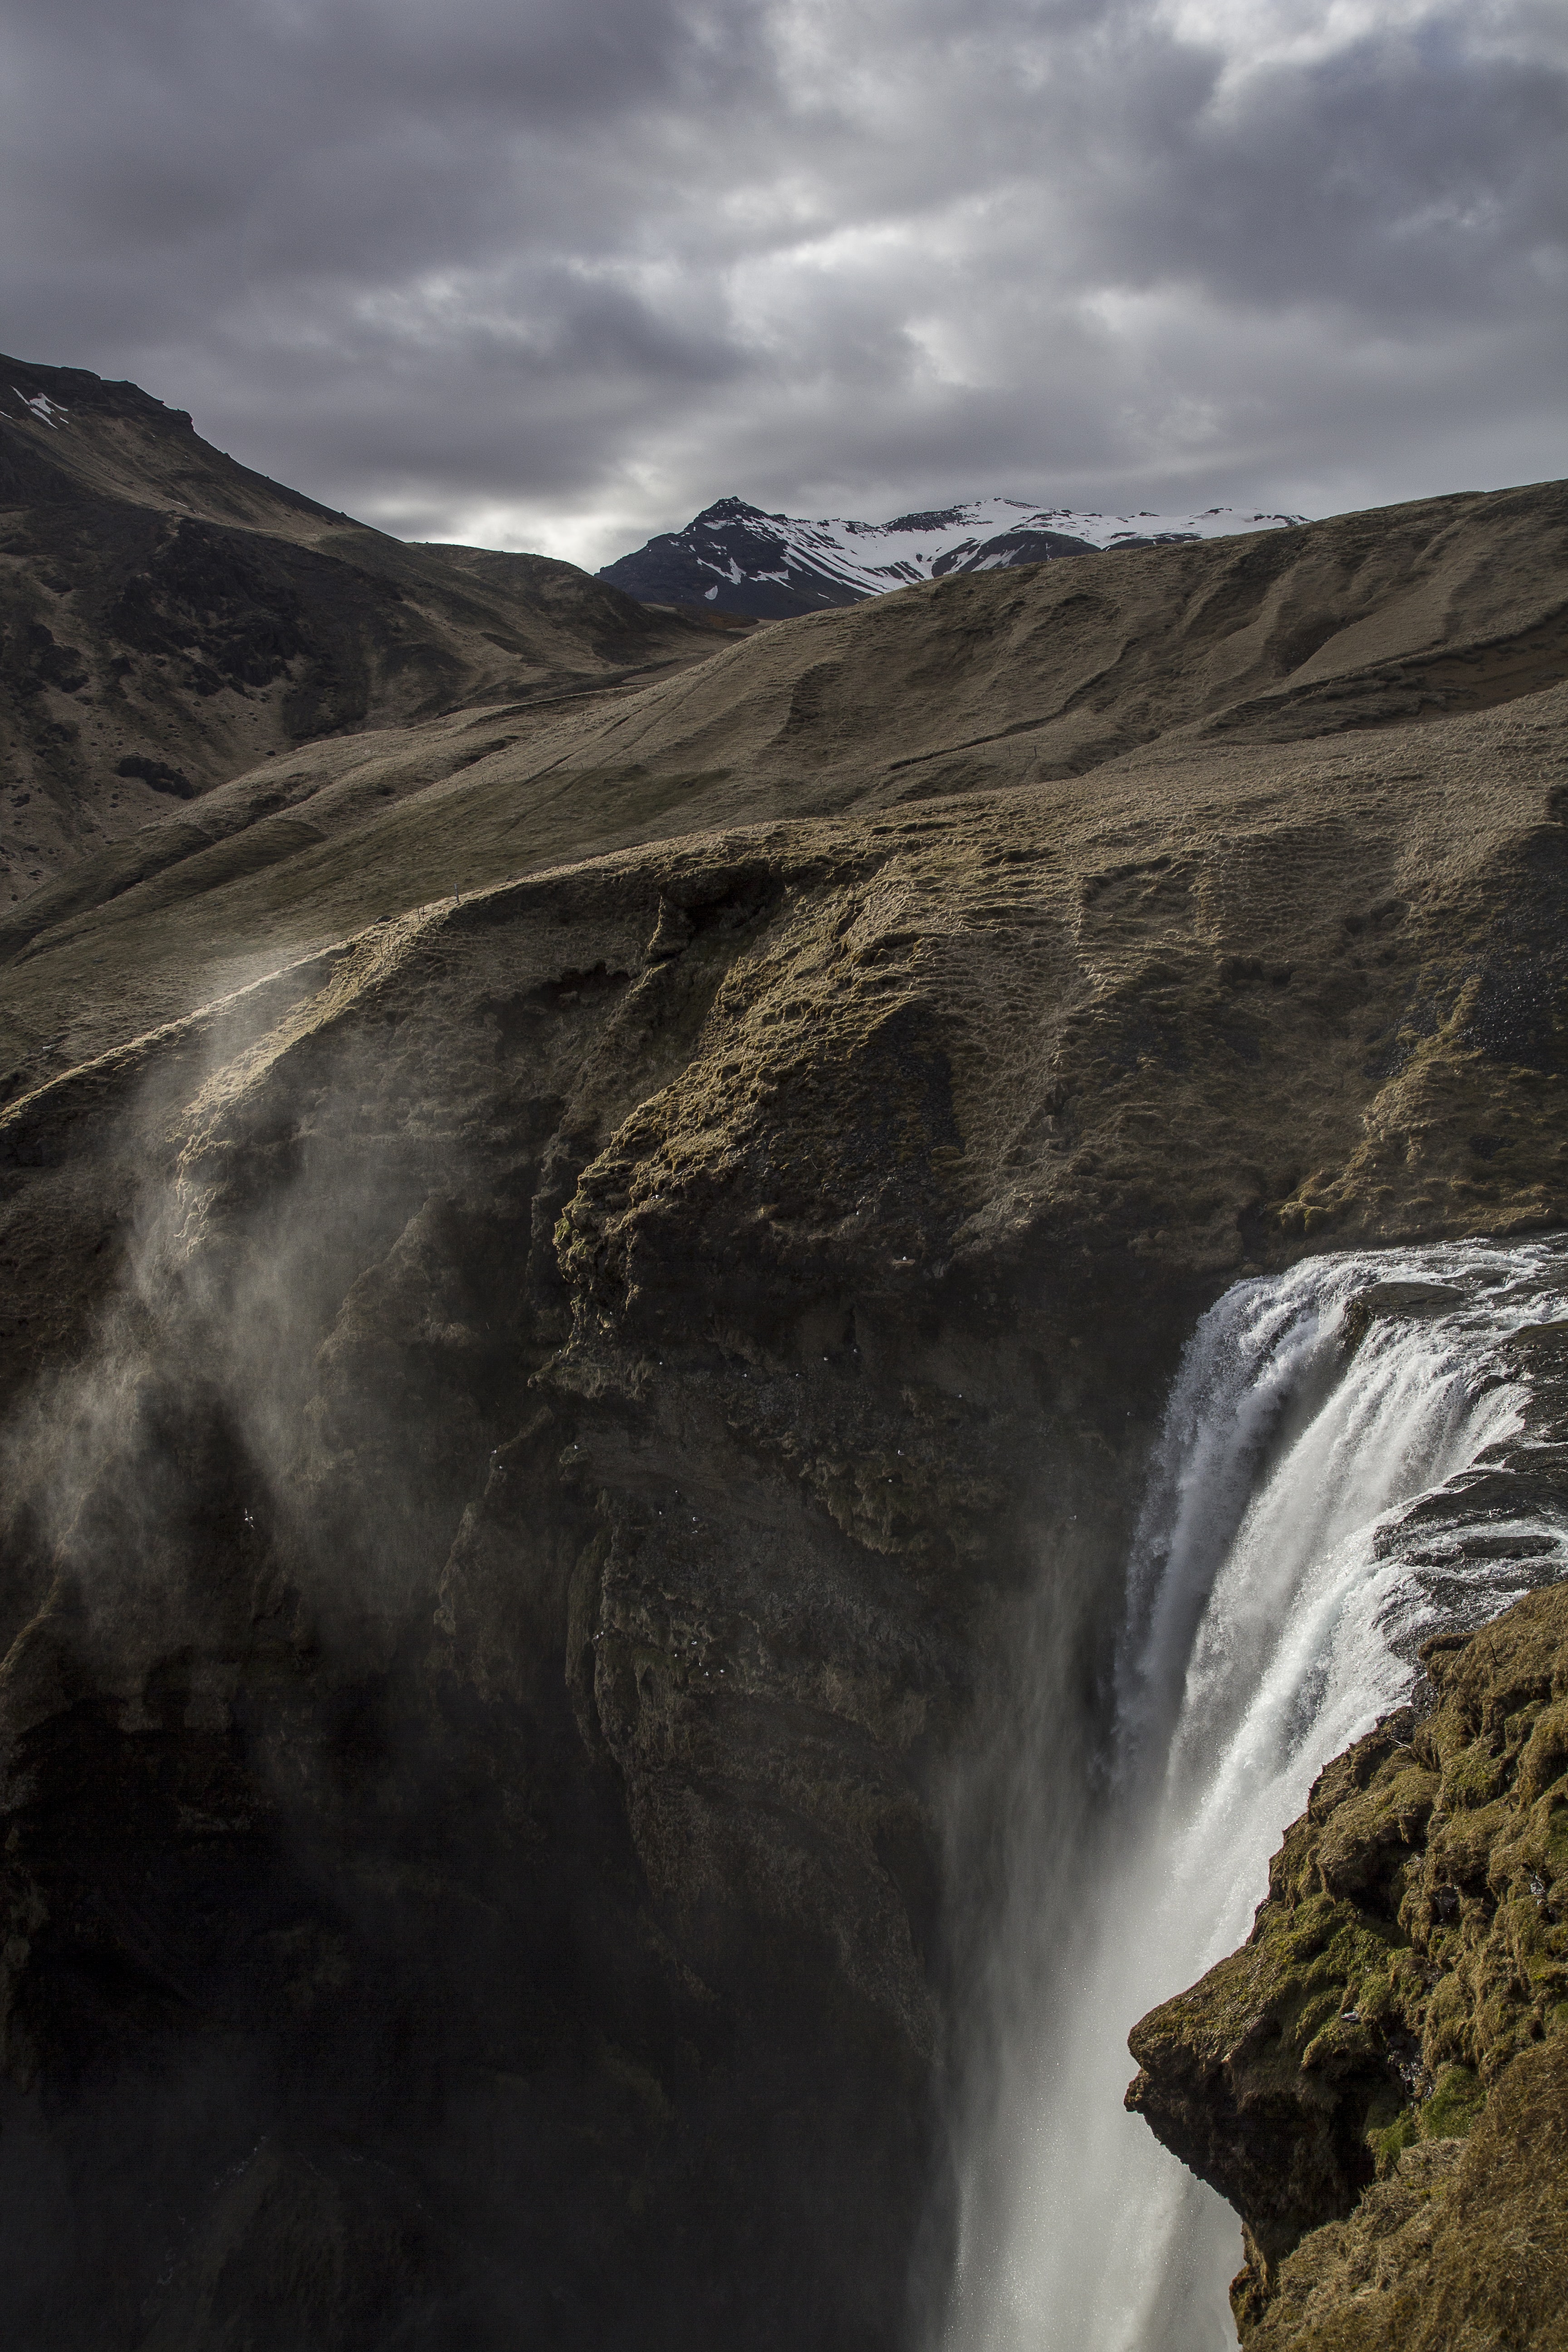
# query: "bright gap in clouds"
{"type": "Point", "coordinates": [1249, 34]}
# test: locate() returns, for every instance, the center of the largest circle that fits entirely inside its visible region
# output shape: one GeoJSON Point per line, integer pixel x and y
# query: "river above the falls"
{"type": "Point", "coordinates": [1304, 1528]}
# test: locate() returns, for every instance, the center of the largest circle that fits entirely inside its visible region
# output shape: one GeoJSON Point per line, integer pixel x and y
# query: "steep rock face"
{"type": "Point", "coordinates": [168, 618]}
{"type": "Point", "coordinates": [1408, 1973]}
{"type": "Point", "coordinates": [665, 1792]}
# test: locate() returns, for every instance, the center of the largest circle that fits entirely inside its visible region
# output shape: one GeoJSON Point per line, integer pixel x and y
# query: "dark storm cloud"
{"type": "Point", "coordinates": [558, 273]}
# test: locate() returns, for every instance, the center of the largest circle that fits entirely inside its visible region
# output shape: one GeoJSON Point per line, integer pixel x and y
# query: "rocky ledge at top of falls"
{"type": "Point", "coordinates": [528, 1425]}
{"type": "Point", "coordinates": [1378, 2080]}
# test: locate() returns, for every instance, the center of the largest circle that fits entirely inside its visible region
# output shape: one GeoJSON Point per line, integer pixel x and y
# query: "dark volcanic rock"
{"type": "Point", "coordinates": [1009, 546]}
{"type": "Point", "coordinates": [731, 556]}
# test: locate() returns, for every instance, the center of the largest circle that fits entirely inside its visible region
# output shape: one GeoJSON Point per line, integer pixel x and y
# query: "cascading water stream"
{"type": "Point", "coordinates": [1272, 1613]}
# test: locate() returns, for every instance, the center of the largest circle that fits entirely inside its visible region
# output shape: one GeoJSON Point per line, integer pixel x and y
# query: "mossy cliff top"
{"type": "Point", "coordinates": [1378, 2080]}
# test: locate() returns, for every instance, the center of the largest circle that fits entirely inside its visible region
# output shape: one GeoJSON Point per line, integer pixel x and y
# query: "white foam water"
{"type": "Point", "coordinates": [1271, 1616]}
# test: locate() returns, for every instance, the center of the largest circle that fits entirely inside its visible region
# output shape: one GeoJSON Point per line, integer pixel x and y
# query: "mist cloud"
{"type": "Point", "coordinates": [556, 274]}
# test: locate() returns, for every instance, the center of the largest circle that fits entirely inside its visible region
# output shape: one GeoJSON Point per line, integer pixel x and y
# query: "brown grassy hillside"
{"type": "Point", "coordinates": [168, 618]}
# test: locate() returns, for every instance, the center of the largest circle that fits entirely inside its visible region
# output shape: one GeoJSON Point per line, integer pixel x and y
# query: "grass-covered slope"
{"type": "Point", "coordinates": [169, 618]}
{"type": "Point", "coordinates": [1210, 661]}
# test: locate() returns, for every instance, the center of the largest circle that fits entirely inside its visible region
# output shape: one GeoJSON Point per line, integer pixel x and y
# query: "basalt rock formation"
{"type": "Point", "coordinates": [1378, 2081]}
{"type": "Point", "coordinates": [531, 1401]}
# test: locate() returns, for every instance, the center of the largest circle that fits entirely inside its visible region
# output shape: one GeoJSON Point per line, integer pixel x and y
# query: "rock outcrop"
{"type": "Point", "coordinates": [1378, 2081]}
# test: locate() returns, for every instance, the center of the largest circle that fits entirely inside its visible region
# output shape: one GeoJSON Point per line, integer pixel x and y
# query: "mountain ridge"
{"type": "Point", "coordinates": [958, 687]}
{"type": "Point", "coordinates": [777, 566]}
{"type": "Point", "coordinates": [169, 617]}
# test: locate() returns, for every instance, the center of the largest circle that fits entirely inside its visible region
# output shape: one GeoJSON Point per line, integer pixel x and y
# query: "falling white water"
{"type": "Point", "coordinates": [1272, 1614]}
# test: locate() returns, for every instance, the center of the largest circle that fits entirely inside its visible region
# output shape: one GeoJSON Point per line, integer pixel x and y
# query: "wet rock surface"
{"type": "Point", "coordinates": [497, 1752]}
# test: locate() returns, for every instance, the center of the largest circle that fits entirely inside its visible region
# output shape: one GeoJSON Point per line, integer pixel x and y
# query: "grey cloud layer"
{"type": "Point", "coordinates": [554, 274]}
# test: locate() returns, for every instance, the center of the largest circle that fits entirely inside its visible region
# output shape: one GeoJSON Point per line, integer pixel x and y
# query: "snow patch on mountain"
{"type": "Point", "coordinates": [47, 412]}
{"type": "Point", "coordinates": [736, 554]}
{"type": "Point", "coordinates": [874, 557]}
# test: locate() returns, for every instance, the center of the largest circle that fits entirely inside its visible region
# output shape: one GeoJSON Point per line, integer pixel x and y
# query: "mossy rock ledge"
{"type": "Point", "coordinates": [1378, 2079]}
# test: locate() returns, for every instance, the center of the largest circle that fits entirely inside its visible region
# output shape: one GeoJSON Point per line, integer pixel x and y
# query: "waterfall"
{"type": "Point", "coordinates": [1304, 1526]}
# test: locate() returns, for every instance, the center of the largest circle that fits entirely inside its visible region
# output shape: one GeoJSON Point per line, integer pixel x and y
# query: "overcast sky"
{"type": "Point", "coordinates": [556, 273]}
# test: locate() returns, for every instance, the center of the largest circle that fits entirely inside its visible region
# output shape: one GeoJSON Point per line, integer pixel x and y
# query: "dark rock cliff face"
{"type": "Point", "coordinates": [497, 1596]}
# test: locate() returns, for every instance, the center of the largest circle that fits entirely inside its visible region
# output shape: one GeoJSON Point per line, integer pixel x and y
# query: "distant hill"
{"type": "Point", "coordinates": [736, 558]}
{"type": "Point", "coordinates": [169, 618]}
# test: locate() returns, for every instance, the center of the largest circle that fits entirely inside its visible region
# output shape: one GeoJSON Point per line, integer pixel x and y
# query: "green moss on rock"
{"type": "Point", "coordinates": [1409, 1957]}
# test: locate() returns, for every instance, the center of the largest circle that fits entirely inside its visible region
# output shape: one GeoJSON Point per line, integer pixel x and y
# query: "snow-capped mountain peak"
{"type": "Point", "coordinates": [735, 556]}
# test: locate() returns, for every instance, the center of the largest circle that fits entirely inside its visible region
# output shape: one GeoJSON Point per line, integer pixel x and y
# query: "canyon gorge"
{"type": "Point", "coordinates": [734, 1358]}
